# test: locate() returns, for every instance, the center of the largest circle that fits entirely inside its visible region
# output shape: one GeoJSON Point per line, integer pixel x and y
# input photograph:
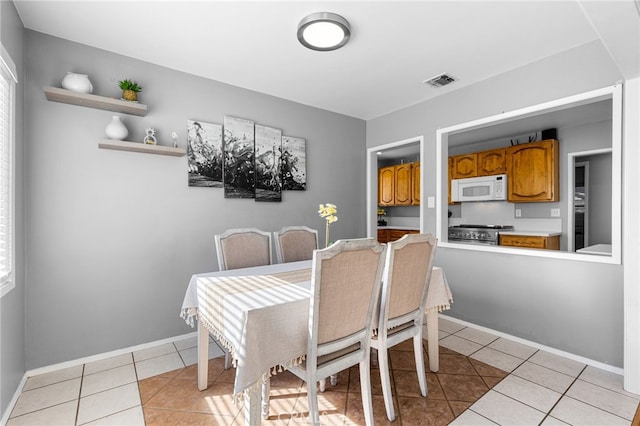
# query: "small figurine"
{"type": "Point", "coordinates": [150, 139]}
{"type": "Point", "coordinates": [174, 138]}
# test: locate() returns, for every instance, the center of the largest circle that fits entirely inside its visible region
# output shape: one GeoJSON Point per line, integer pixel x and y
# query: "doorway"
{"type": "Point", "coordinates": [413, 147]}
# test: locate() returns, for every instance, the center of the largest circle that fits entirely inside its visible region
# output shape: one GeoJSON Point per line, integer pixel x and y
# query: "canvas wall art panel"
{"type": "Point", "coordinates": [267, 163]}
{"type": "Point", "coordinates": [204, 153]}
{"type": "Point", "coordinates": [239, 171]}
{"type": "Point", "coordinates": [293, 164]}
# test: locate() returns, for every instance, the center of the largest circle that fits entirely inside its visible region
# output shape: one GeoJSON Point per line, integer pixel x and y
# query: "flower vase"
{"type": "Point", "coordinates": [116, 129]}
{"type": "Point", "coordinates": [77, 83]}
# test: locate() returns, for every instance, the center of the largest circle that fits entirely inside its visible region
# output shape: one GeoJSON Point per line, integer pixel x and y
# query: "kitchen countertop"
{"type": "Point", "coordinates": [531, 233]}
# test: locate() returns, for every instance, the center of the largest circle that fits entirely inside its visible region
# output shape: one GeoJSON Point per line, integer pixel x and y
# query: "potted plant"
{"type": "Point", "coordinates": [130, 89]}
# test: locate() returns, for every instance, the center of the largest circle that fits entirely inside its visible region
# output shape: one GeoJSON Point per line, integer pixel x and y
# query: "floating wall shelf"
{"type": "Point", "coordinates": [56, 94]}
{"type": "Point", "coordinates": [141, 147]}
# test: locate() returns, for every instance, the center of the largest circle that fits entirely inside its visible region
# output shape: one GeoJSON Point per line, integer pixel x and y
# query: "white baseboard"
{"type": "Point", "coordinates": [105, 355]}
{"type": "Point", "coordinates": [12, 403]}
{"type": "Point", "coordinates": [574, 357]}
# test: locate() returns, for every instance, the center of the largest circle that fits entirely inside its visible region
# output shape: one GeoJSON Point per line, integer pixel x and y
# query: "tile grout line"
{"type": "Point", "coordinates": [79, 394]}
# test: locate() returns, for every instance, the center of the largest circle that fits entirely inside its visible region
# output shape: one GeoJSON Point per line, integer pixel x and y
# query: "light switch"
{"type": "Point", "coordinates": [555, 212]}
{"type": "Point", "coordinates": [518, 212]}
{"type": "Point", "coordinates": [431, 202]}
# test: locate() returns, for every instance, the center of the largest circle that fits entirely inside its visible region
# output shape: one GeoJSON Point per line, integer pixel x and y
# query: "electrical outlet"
{"type": "Point", "coordinates": [431, 202]}
{"type": "Point", "coordinates": [518, 212]}
{"type": "Point", "coordinates": [555, 212]}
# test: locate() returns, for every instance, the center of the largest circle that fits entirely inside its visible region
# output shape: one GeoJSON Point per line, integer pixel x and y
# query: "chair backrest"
{"type": "Point", "coordinates": [294, 243]}
{"type": "Point", "coordinates": [345, 288]}
{"type": "Point", "coordinates": [243, 248]}
{"type": "Point", "coordinates": [405, 282]}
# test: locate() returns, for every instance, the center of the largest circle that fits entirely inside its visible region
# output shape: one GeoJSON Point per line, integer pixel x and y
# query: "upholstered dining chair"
{"type": "Point", "coordinates": [295, 243]}
{"type": "Point", "coordinates": [345, 288]}
{"type": "Point", "coordinates": [243, 248]}
{"type": "Point", "coordinates": [403, 300]}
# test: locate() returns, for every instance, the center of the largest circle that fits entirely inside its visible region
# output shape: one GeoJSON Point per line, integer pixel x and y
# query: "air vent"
{"type": "Point", "coordinates": [440, 80]}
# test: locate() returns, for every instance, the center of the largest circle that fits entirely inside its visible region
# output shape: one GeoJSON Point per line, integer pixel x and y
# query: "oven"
{"type": "Point", "coordinates": [487, 235]}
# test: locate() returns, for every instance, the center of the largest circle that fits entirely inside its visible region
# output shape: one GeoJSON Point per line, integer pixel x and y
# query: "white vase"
{"type": "Point", "coordinates": [116, 129]}
{"type": "Point", "coordinates": [77, 83]}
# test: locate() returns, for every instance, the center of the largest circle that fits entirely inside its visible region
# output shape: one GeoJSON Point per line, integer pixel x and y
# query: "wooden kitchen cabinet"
{"type": "Point", "coordinates": [389, 235]}
{"type": "Point", "coordinates": [386, 186]}
{"type": "Point", "coordinates": [530, 241]}
{"type": "Point", "coordinates": [403, 184]}
{"type": "Point", "coordinates": [492, 162]}
{"type": "Point", "coordinates": [415, 184]}
{"type": "Point", "coordinates": [399, 185]}
{"type": "Point", "coordinates": [465, 166]}
{"type": "Point", "coordinates": [533, 172]}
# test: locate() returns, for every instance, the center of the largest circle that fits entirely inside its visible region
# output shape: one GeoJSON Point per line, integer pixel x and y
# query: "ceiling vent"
{"type": "Point", "coordinates": [439, 80]}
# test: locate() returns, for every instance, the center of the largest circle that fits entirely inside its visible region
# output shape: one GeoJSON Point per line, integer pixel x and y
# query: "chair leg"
{"type": "Point", "coordinates": [417, 349]}
{"type": "Point", "coordinates": [312, 395]}
{"type": "Point", "coordinates": [266, 388]}
{"type": "Point", "coordinates": [227, 360]}
{"type": "Point", "coordinates": [385, 379]}
{"type": "Point", "coordinates": [365, 387]}
{"type": "Point", "coordinates": [323, 384]}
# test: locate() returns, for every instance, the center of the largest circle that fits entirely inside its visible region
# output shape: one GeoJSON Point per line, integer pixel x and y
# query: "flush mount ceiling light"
{"type": "Point", "coordinates": [324, 31]}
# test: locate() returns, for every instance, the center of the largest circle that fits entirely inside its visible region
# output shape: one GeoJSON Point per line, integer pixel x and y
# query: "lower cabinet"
{"type": "Point", "coordinates": [388, 235]}
{"type": "Point", "coordinates": [530, 241]}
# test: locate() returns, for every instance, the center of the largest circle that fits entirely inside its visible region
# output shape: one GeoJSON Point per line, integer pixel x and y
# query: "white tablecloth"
{"type": "Point", "coordinates": [261, 314]}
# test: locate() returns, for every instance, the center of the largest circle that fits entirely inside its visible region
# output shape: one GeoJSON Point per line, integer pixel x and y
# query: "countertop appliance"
{"type": "Point", "coordinates": [483, 188]}
{"type": "Point", "coordinates": [477, 234]}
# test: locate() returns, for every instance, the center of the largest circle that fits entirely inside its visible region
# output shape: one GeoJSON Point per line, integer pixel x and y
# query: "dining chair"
{"type": "Point", "coordinates": [405, 283]}
{"type": "Point", "coordinates": [345, 287]}
{"type": "Point", "coordinates": [295, 243]}
{"type": "Point", "coordinates": [243, 248]}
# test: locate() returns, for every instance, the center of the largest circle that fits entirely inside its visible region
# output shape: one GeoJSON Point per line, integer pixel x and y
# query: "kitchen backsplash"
{"type": "Point", "coordinates": [403, 221]}
{"type": "Point", "coordinates": [502, 213]}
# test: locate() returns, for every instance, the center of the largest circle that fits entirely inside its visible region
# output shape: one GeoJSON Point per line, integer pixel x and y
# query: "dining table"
{"type": "Point", "coordinates": [260, 315]}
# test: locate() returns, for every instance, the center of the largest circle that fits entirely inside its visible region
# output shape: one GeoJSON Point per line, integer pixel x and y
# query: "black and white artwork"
{"type": "Point", "coordinates": [293, 164]}
{"type": "Point", "coordinates": [268, 149]}
{"type": "Point", "coordinates": [239, 175]}
{"type": "Point", "coordinates": [204, 152]}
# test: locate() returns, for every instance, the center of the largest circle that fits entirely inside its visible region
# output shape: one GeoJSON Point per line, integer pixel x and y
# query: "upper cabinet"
{"type": "Point", "coordinates": [403, 185]}
{"type": "Point", "coordinates": [397, 185]}
{"type": "Point", "coordinates": [533, 172]}
{"type": "Point", "coordinates": [386, 186]}
{"type": "Point", "coordinates": [415, 184]}
{"type": "Point", "coordinates": [492, 162]}
{"type": "Point", "coordinates": [465, 166]}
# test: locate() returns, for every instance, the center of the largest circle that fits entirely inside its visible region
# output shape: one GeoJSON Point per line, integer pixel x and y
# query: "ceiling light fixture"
{"type": "Point", "coordinates": [324, 31]}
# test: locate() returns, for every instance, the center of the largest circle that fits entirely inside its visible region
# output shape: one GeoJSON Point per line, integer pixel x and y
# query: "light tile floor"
{"type": "Point", "coordinates": [538, 388]}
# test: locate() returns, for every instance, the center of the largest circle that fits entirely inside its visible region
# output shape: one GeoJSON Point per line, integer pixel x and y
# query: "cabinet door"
{"type": "Point", "coordinates": [492, 162]}
{"type": "Point", "coordinates": [533, 172]}
{"type": "Point", "coordinates": [386, 185]}
{"type": "Point", "coordinates": [465, 166]}
{"type": "Point", "coordinates": [403, 185]}
{"type": "Point", "coordinates": [529, 241]}
{"type": "Point", "coordinates": [415, 184]}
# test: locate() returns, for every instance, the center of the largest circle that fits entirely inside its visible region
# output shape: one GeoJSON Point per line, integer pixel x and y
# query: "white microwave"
{"type": "Point", "coordinates": [483, 188]}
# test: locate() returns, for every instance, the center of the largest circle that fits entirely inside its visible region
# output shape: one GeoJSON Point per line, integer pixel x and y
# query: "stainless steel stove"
{"type": "Point", "coordinates": [477, 234]}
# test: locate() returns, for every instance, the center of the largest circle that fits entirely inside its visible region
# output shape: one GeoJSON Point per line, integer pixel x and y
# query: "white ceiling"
{"type": "Point", "coordinates": [393, 48]}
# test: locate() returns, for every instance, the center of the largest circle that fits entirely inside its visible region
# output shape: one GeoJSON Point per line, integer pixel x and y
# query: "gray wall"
{"type": "Point", "coordinates": [12, 305]}
{"type": "Point", "coordinates": [569, 305]}
{"type": "Point", "coordinates": [115, 236]}
{"type": "Point", "coordinates": [599, 198]}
